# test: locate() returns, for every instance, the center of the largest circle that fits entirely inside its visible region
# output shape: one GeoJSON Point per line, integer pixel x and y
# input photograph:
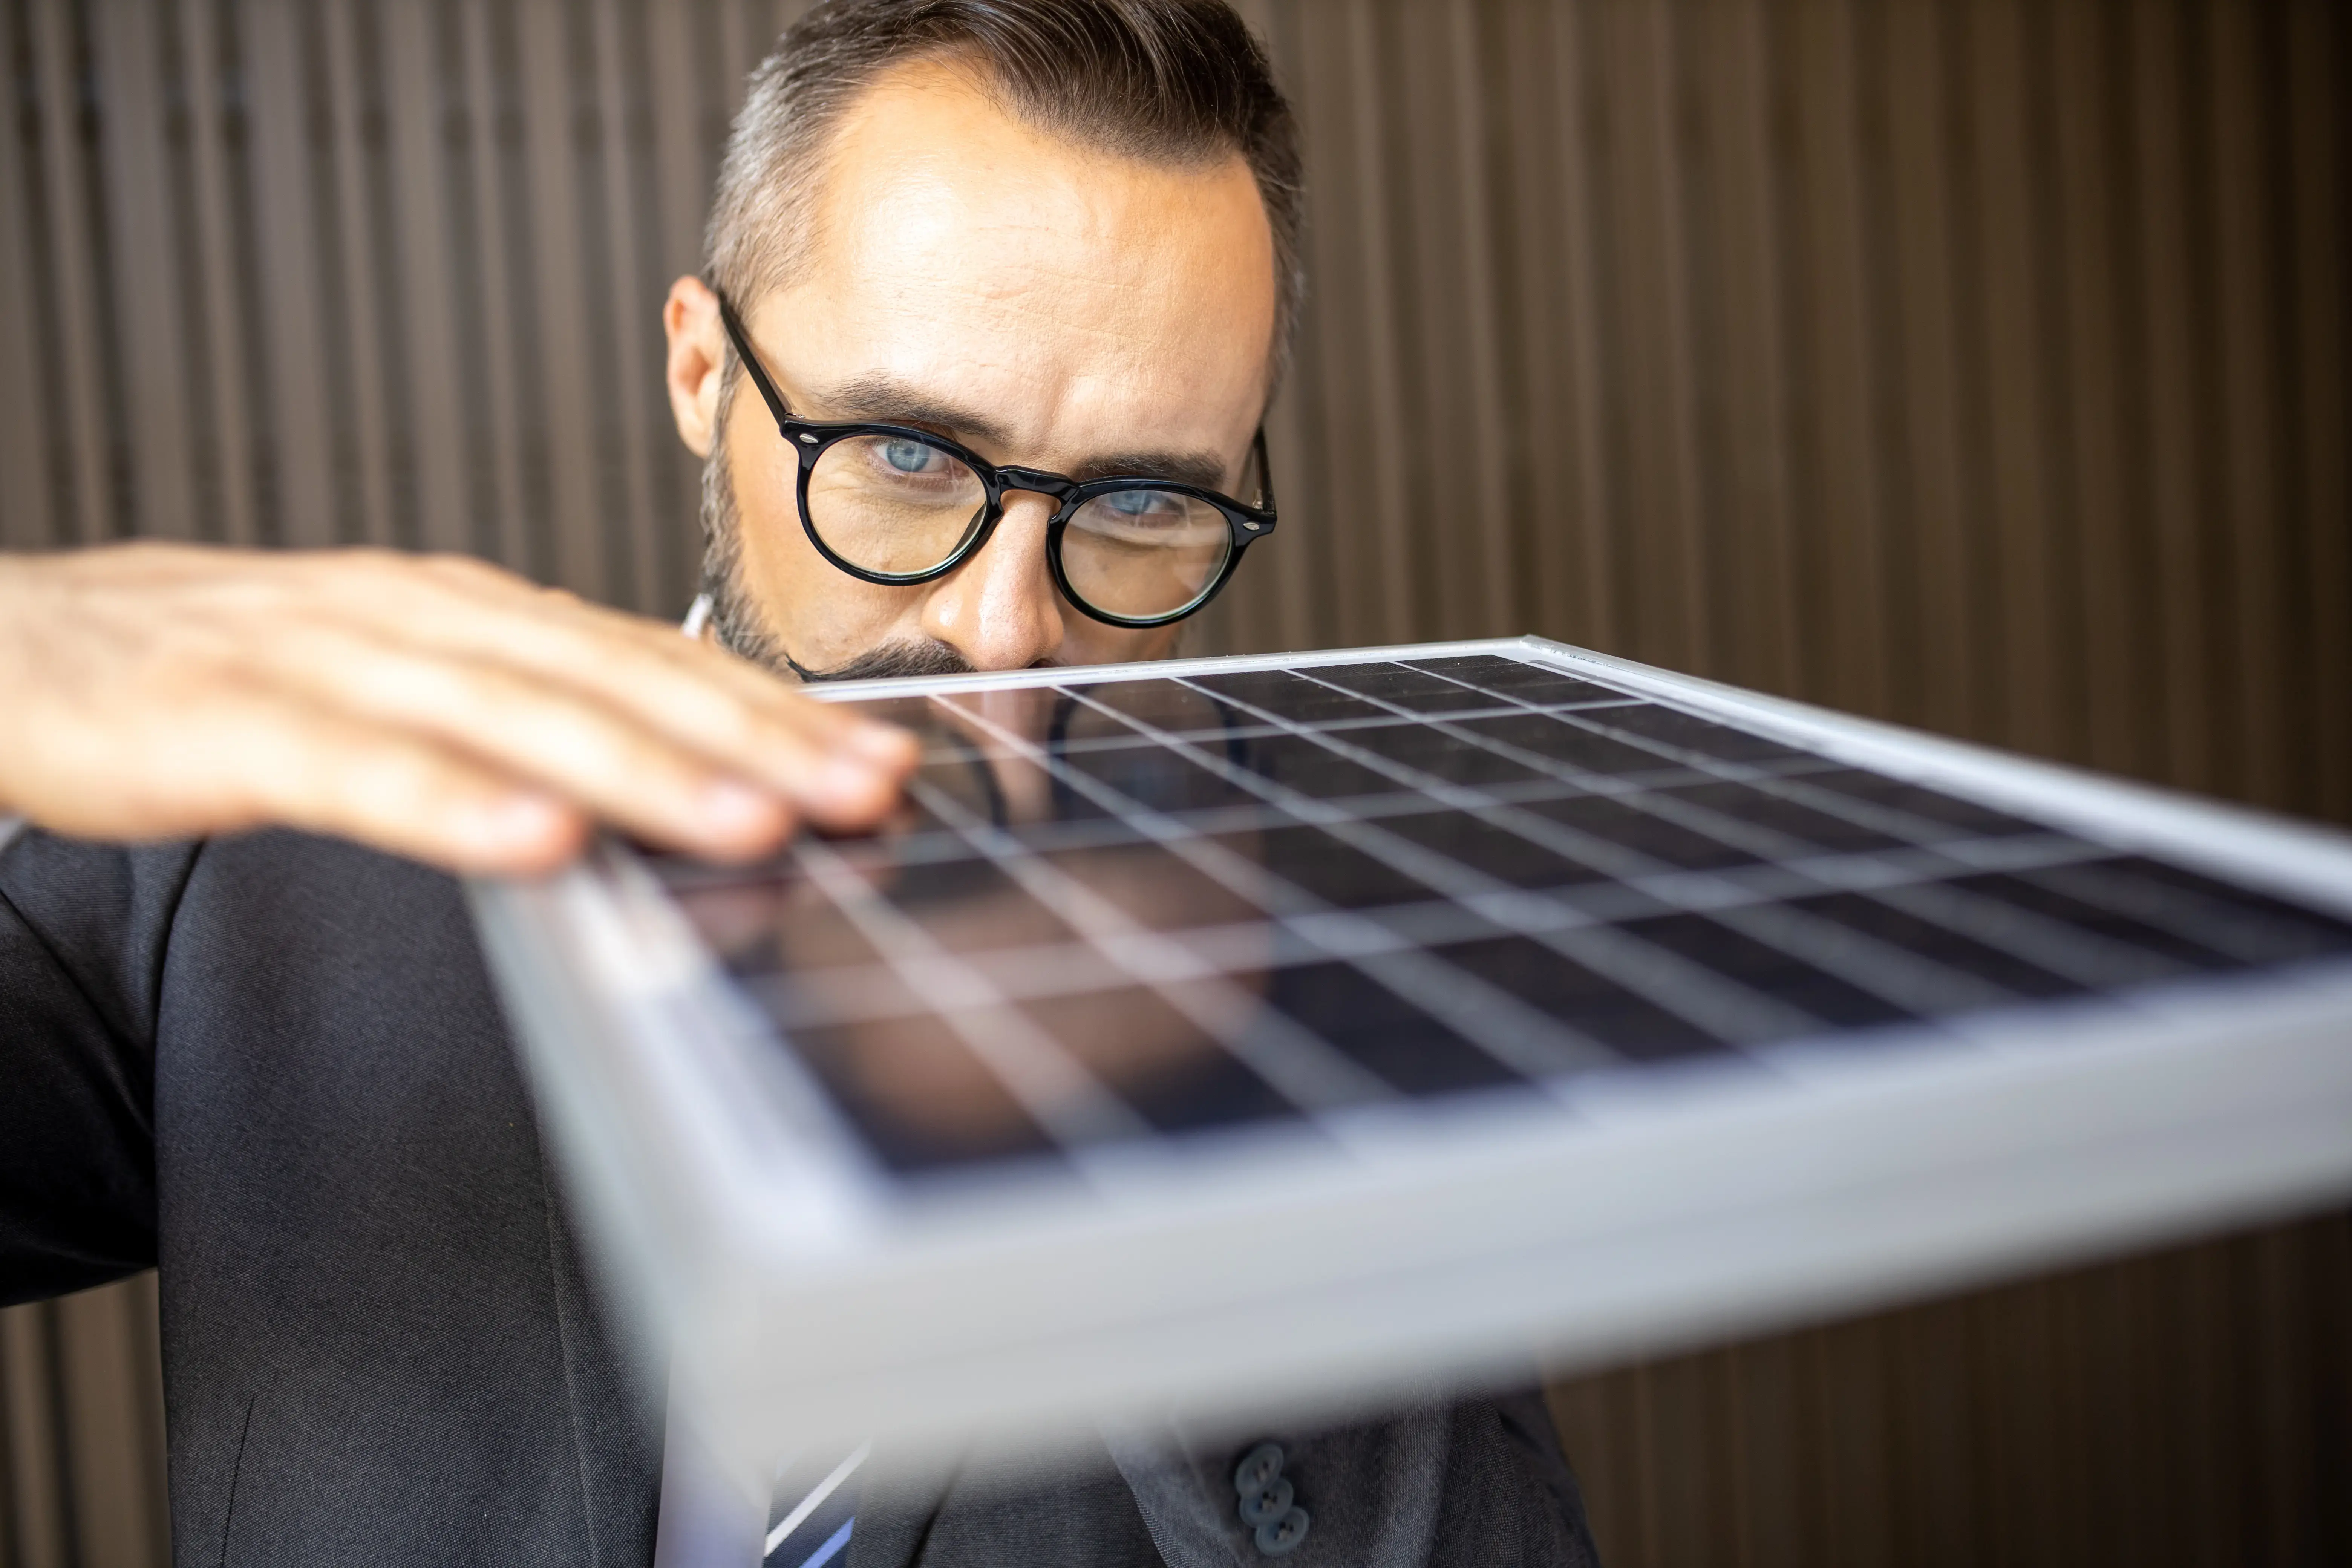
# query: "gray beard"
{"type": "Point", "coordinates": [736, 620]}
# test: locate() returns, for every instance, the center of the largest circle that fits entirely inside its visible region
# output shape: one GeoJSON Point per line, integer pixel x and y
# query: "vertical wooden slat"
{"type": "Point", "coordinates": [2320, 138]}
{"type": "Point", "coordinates": [510, 535]}
{"type": "Point", "coordinates": [2005, 334]}
{"type": "Point", "coordinates": [1830, 421]}
{"type": "Point", "coordinates": [1379, 445]}
{"type": "Point", "coordinates": [416, 104]}
{"type": "Point", "coordinates": [742, 42]}
{"type": "Point", "coordinates": [26, 515]}
{"type": "Point", "coordinates": [1594, 599]}
{"type": "Point", "coordinates": [1325, 492]}
{"type": "Point", "coordinates": [229, 389]}
{"type": "Point", "coordinates": [1530, 248]}
{"type": "Point", "coordinates": [1653, 370]}
{"type": "Point", "coordinates": [106, 1350]}
{"type": "Point", "coordinates": [1927, 471]}
{"type": "Point", "coordinates": [294, 317]}
{"type": "Point", "coordinates": [81, 367]}
{"type": "Point", "coordinates": [2116, 628]}
{"type": "Point", "coordinates": [362, 391]}
{"type": "Point", "coordinates": [682, 181]}
{"type": "Point", "coordinates": [1933, 1393]}
{"type": "Point", "coordinates": [1780, 1453]}
{"type": "Point", "coordinates": [559, 290]}
{"type": "Point", "coordinates": [2173, 436]}
{"type": "Point", "coordinates": [1491, 606]}
{"type": "Point", "coordinates": [1425, 220]}
{"type": "Point", "coordinates": [145, 294]}
{"type": "Point", "coordinates": [39, 1520]}
{"type": "Point", "coordinates": [2249, 330]}
{"type": "Point", "coordinates": [630, 311]}
{"type": "Point", "coordinates": [1741, 353]}
{"type": "Point", "coordinates": [1851, 1371]}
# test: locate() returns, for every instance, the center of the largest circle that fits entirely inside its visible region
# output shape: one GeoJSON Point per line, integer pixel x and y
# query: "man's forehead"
{"type": "Point", "coordinates": [953, 242]}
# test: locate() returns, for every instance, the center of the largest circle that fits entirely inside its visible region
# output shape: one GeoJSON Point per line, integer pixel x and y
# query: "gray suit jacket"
{"type": "Point", "coordinates": [273, 1065]}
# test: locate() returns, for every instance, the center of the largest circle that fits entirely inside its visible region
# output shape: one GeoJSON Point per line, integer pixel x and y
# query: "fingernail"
{"type": "Point", "coordinates": [849, 781]}
{"type": "Point", "coordinates": [730, 808]}
{"type": "Point", "coordinates": [882, 742]}
{"type": "Point", "coordinates": [515, 820]}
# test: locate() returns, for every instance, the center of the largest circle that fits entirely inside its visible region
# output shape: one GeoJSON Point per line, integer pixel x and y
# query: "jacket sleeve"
{"type": "Point", "coordinates": [84, 930]}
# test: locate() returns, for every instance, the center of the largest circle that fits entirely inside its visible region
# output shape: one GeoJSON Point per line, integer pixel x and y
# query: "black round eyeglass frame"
{"type": "Point", "coordinates": [810, 438]}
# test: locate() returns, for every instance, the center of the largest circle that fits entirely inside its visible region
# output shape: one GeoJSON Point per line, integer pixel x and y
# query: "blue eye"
{"type": "Point", "coordinates": [908, 457]}
{"type": "Point", "coordinates": [1135, 503]}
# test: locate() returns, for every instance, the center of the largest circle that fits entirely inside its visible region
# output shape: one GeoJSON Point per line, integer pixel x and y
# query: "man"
{"type": "Point", "coordinates": [1037, 243]}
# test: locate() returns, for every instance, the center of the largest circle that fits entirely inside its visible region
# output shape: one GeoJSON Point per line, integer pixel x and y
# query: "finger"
{"type": "Point", "coordinates": [547, 735]}
{"type": "Point", "coordinates": [255, 760]}
{"type": "Point", "coordinates": [838, 767]}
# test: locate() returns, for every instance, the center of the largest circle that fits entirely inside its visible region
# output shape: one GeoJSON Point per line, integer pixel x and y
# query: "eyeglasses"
{"type": "Point", "coordinates": [890, 504]}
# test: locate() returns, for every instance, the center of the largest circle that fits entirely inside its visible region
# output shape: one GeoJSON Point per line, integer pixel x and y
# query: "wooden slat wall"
{"type": "Point", "coordinates": [1975, 363]}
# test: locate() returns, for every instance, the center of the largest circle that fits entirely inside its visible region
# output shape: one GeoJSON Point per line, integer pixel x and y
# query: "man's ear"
{"type": "Point", "coordinates": [697, 356]}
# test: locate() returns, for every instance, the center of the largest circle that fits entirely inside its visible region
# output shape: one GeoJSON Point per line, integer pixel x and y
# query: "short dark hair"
{"type": "Point", "coordinates": [1173, 82]}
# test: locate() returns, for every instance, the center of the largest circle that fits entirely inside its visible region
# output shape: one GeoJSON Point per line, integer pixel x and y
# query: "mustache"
{"type": "Point", "coordinates": [892, 661]}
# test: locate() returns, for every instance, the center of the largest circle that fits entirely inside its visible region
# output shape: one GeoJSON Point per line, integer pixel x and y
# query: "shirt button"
{"type": "Point", "coordinates": [1280, 1537]}
{"type": "Point", "coordinates": [1258, 1466]}
{"type": "Point", "coordinates": [1267, 1503]}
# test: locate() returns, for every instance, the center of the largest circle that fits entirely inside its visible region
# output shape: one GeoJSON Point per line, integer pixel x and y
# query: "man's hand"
{"type": "Point", "coordinates": [433, 706]}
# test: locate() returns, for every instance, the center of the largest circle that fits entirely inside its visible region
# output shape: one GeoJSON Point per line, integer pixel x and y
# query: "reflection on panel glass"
{"type": "Point", "coordinates": [1439, 755]}
{"type": "Point", "coordinates": [1521, 682]}
{"type": "Point", "coordinates": [1490, 850]}
{"type": "Point", "coordinates": [914, 1090]}
{"type": "Point", "coordinates": [1586, 1001]}
{"type": "Point", "coordinates": [1746, 802]}
{"type": "Point", "coordinates": [1401, 686]}
{"type": "Point", "coordinates": [1628, 827]}
{"type": "Point", "coordinates": [1382, 1032]}
{"type": "Point", "coordinates": [1564, 740]}
{"type": "Point", "coordinates": [1683, 731]}
{"type": "Point", "coordinates": [1292, 698]}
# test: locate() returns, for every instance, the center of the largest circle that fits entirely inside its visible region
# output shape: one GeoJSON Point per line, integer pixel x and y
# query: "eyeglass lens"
{"type": "Point", "coordinates": [894, 505]}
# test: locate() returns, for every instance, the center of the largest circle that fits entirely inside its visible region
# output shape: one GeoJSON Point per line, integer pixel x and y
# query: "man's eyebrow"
{"type": "Point", "coordinates": [884, 400]}
{"type": "Point", "coordinates": [1201, 469]}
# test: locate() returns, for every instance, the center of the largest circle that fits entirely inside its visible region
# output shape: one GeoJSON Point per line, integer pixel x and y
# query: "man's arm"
{"type": "Point", "coordinates": [433, 706]}
{"type": "Point", "coordinates": [82, 930]}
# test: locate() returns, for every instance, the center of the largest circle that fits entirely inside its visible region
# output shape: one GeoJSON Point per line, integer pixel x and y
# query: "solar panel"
{"type": "Point", "coordinates": [1237, 1032]}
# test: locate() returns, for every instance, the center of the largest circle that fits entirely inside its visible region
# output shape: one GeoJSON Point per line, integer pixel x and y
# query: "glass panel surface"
{"type": "Point", "coordinates": [1688, 733]}
{"type": "Point", "coordinates": [1381, 1031]}
{"type": "Point", "coordinates": [1594, 1007]}
{"type": "Point", "coordinates": [1578, 748]}
{"type": "Point", "coordinates": [1508, 677]}
{"type": "Point", "coordinates": [1766, 971]}
{"type": "Point", "coordinates": [1415, 690]}
{"type": "Point", "coordinates": [917, 1093]}
{"type": "Point", "coordinates": [1669, 843]}
{"type": "Point", "coordinates": [1179, 989]}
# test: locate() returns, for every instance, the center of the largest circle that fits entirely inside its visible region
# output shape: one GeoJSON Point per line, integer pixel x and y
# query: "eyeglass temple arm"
{"type": "Point", "coordinates": [1265, 474]}
{"type": "Point", "coordinates": [750, 358]}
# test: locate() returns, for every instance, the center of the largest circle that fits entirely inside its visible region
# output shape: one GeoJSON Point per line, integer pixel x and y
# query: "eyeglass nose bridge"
{"type": "Point", "coordinates": [1037, 481]}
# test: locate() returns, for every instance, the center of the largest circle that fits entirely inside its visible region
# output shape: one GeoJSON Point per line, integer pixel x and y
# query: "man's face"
{"type": "Point", "coordinates": [1045, 303]}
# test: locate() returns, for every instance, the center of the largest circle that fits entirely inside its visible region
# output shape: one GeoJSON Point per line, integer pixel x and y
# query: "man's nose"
{"type": "Point", "coordinates": [1000, 609]}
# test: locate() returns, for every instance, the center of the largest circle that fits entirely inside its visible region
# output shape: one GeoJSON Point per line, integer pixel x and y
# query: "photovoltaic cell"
{"type": "Point", "coordinates": [1145, 908]}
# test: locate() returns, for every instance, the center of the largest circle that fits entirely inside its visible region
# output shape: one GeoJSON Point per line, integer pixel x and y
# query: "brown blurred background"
{"type": "Point", "coordinates": [1979, 364]}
